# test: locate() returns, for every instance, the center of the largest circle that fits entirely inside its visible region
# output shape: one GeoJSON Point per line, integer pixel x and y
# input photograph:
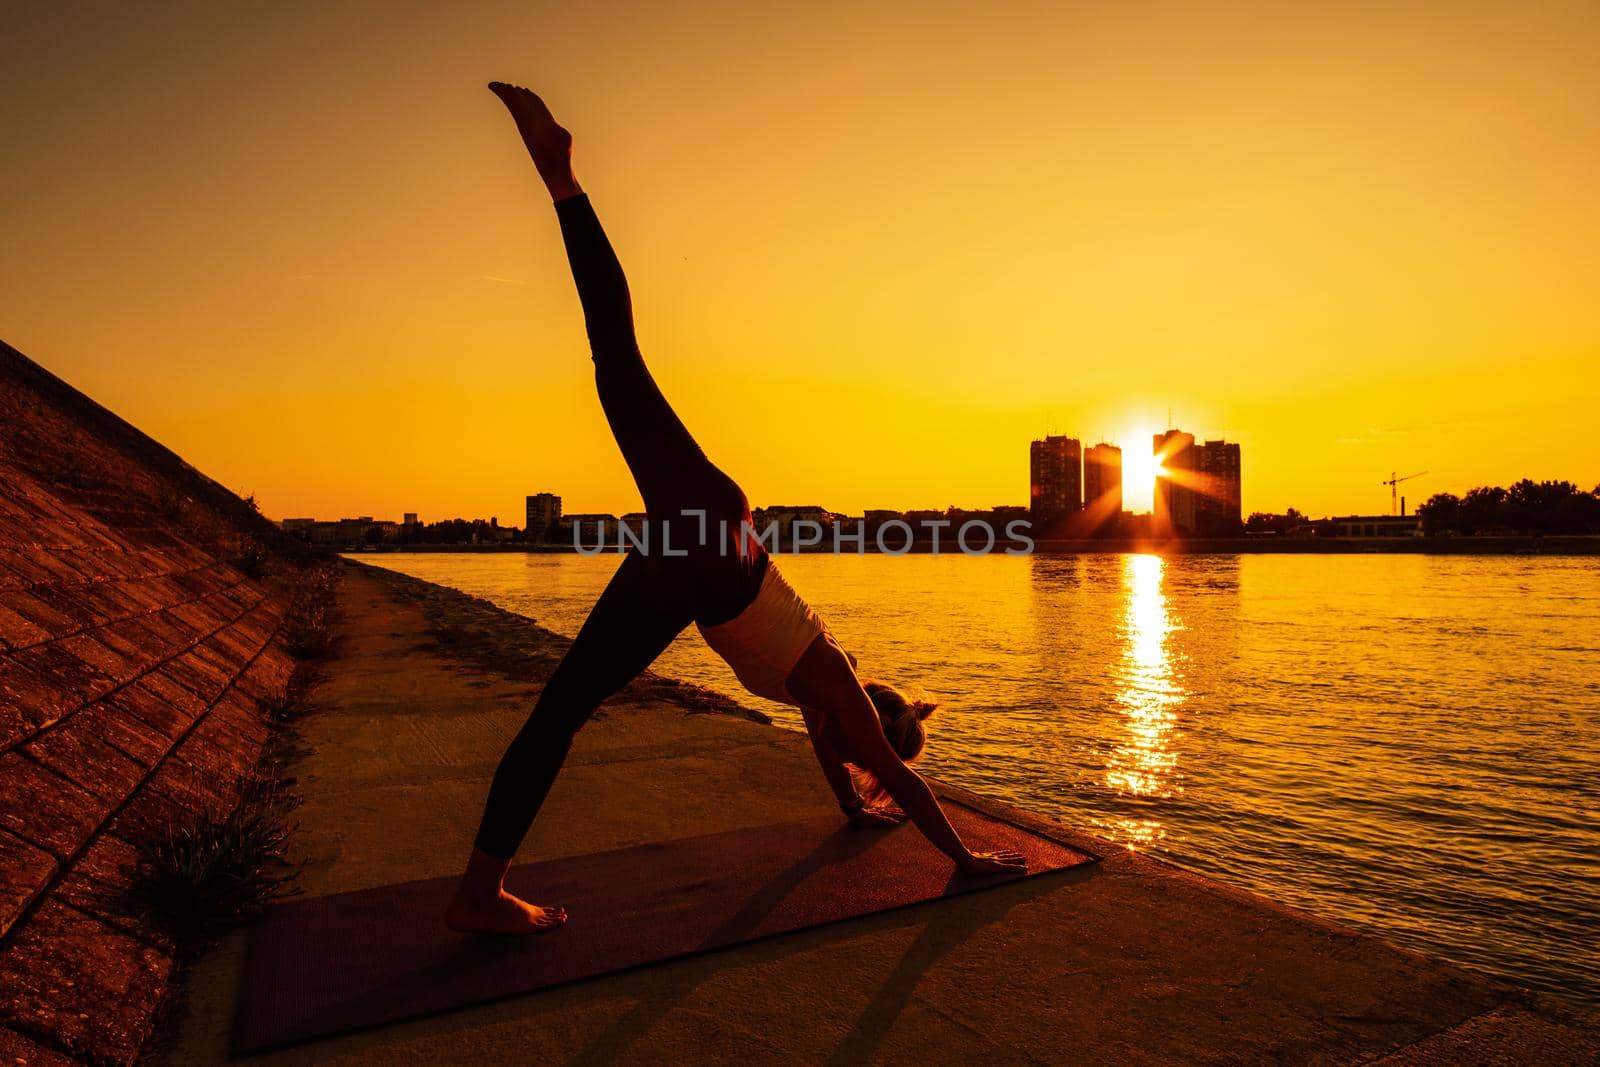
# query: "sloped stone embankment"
{"type": "Point", "coordinates": [133, 651]}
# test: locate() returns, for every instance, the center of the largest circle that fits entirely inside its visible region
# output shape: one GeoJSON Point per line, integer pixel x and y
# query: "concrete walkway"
{"type": "Point", "coordinates": [1129, 960]}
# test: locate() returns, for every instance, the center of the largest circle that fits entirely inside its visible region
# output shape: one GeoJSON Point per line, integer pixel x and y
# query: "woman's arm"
{"type": "Point", "coordinates": [824, 679]}
{"type": "Point", "coordinates": [851, 802]}
{"type": "Point", "coordinates": [833, 768]}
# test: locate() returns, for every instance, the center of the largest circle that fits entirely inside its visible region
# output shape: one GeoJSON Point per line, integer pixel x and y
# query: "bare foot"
{"type": "Point", "coordinates": [548, 143]}
{"type": "Point", "coordinates": [503, 914]}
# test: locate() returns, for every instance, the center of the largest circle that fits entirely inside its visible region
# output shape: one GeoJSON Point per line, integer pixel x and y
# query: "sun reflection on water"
{"type": "Point", "coordinates": [1144, 762]}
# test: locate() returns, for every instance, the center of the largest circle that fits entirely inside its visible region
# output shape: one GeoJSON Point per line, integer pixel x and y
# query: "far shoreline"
{"type": "Point", "coordinates": [1554, 545]}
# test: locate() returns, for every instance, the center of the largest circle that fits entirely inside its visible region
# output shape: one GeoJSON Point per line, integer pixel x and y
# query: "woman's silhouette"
{"type": "Point", "coordinates": [716, 575]}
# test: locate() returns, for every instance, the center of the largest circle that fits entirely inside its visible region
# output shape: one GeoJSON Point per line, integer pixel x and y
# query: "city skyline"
{"type": "Point", "coordinates": [1072, 491]}
{"type": "Point", "coordinates": [1096, 472]}
{"type": "Point", "coordinates": [1198, 497]}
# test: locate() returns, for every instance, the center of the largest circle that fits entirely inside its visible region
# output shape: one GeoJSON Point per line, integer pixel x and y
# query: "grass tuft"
{"type": "Point", "coordinates": [253, 559]}
{"type": "Point", "coordinates": [308, 627]}
{"type": "Point", "coordinates": [280, 709]}
{"type": "Point", "coordinates": [170, 502]}
{"type": "Point", "coordinates": [201, 877]}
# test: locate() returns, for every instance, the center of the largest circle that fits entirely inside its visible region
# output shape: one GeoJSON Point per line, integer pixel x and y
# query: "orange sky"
{"type": "Point", "coordinates": [873, 253]}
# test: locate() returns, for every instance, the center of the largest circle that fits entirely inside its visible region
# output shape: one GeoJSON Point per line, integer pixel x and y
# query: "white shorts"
{"type": "Point", "coordinates": [764, 641]}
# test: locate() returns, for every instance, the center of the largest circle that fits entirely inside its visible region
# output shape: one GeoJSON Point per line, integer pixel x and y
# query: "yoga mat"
{"type": "Point", "coordinates": [328, 965]}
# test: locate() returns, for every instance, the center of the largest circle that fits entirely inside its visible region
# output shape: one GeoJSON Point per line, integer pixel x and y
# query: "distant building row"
{"type": "Point", "coordinates": [364, 531]}
{"type": "Point", "coordinates": [345, 533]}
{"type": "Point", "coordinates": [1073, 494]}
{"type": "Point", "coordinates": [1076, 493]}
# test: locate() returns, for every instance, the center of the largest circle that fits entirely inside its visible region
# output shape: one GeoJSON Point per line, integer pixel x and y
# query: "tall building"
{"type": "Point", "coordinates": [1217, 503]}
{"type": "Point", "coordinates": [1055, 480]}
{"type": "Point", "coordinates": [1174, 511]}
{"type": "Point", "coordinates": [410, 519]}
{"type": "Point", "coordinates": [1102, 485]}
{"type": "Point", "coordinates": [544, 511]}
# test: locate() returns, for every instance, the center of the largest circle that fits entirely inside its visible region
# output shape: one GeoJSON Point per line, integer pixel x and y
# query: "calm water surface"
{"type": "Point", "coordinates": [1410, 744]}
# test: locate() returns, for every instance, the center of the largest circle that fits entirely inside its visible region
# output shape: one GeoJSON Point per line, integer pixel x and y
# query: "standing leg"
{"type": "Point", "coordinates": [641, 611]}
{"type": "Point", "coordinates": [650, 600]}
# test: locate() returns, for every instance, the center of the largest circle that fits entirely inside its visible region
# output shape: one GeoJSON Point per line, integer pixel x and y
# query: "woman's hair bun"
{"type": "Point", "coordinates": [891, 703]}
{"type": "Point", "coordinates": [900, 717]}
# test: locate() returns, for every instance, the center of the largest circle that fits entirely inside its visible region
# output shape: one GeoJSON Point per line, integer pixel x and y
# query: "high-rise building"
{"type": "Point", "coordinates": [1055, 480]}
{"type": "Point", "coordinates": [1173, 514]}
{"type": "Point", "coordinates": [410, 519]}
{"type": "Point", "coordinates": [1217, 499]}
{"type": "Point", "coordinates": [1102, 485]}
{"type": "Point", "coordinates": [544, 511]}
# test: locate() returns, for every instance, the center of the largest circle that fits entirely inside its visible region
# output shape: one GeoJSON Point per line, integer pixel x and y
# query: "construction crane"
{"type": "Point", "coordinates": [1394, 493]}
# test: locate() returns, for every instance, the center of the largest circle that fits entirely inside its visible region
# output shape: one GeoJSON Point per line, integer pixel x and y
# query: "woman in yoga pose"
{"type": "Point", "coordinates": [716, 575]}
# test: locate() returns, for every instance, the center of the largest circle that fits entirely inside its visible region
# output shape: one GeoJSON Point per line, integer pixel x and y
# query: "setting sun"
{"type": "Point", "coordinates": [1139, 469]}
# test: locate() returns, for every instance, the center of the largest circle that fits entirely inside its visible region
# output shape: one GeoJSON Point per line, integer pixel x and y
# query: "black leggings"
{"type": "Point", "coordinates": [653, 596]}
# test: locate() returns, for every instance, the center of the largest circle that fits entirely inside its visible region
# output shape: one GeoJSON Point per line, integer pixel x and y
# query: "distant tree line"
{"type": "Point", "coordinates": [1266, 522]}
{"type": "Point", "coordinates": [1528, 507]}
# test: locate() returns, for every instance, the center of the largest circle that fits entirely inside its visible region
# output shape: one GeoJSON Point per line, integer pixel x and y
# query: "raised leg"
{"type": "Point", "coordinates": [667, 465]}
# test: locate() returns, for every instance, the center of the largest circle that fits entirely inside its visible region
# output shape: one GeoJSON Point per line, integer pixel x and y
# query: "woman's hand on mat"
{"type": "Point", "coordinates": [1004, 861]}
{"type": "Point", "coordinates": [877, 816]}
